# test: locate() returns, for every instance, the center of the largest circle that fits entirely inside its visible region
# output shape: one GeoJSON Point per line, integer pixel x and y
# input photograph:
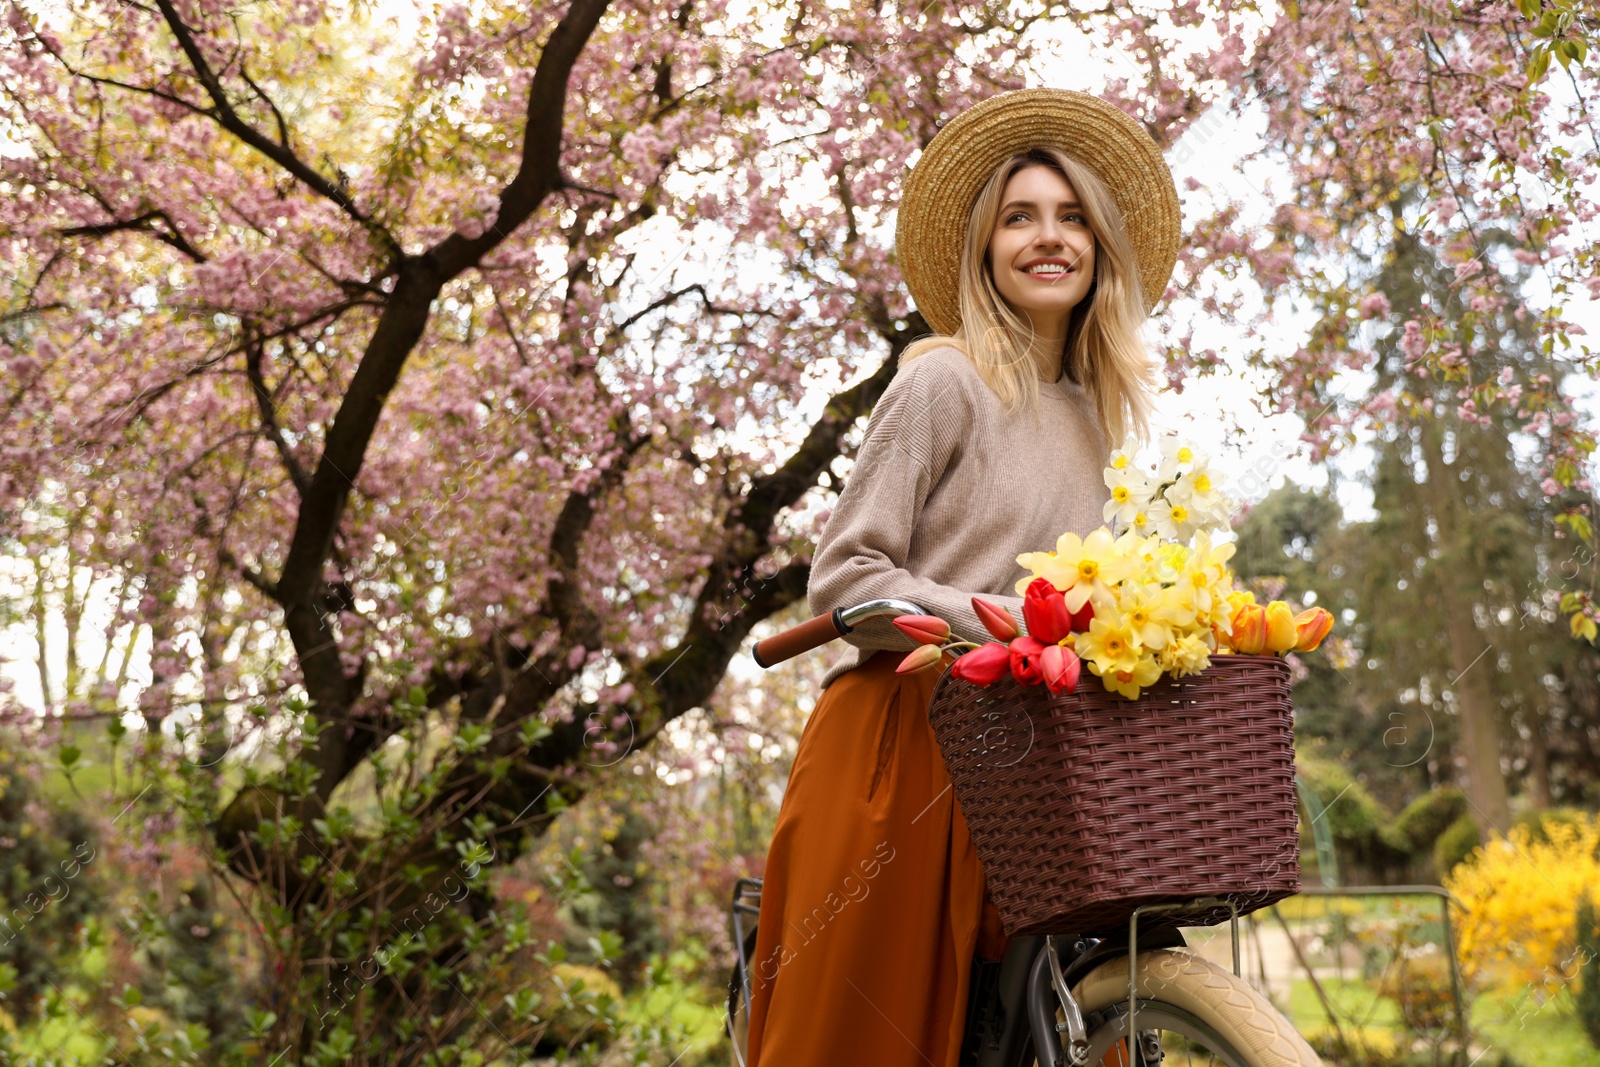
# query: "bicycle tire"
{"type": "Point", "coordinates": [1181, 993]}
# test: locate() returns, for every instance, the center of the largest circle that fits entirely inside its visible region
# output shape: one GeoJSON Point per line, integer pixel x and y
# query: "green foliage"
{"type": "Point", "coordinates": [1587, 998]}
{"type": "Point", "coordinates": [183, 943]}
{"type": "Point", "coordinates": [619, 904]}
{"type": "Point", "coordinates": [47, 888]}
{"type": "Point", "coordinates": [1457, 842]}
{"type": "Point", "coordinates": [1557, 32]}
{"type": "Point", "coordinates": [1358, 823]}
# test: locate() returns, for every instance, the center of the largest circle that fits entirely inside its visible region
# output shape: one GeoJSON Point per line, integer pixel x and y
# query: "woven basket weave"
{"type": "Point", "coordinates": [1085, 806]}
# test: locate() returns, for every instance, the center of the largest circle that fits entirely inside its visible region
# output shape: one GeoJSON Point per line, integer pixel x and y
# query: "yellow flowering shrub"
{"type": "Point", "coordinates": [1522, 897]}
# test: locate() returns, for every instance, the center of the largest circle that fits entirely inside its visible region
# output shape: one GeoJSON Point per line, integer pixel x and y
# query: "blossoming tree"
{"type": "Point", "coordinates": [395, 365]}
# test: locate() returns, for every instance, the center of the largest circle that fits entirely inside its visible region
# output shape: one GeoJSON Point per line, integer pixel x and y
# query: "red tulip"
{"type": "Point", "coordinates": [920, 657]}
{"type": "Point", "coordinates": [1312, 625]}
{"type": "Point", "coordinates": [983, 666]}
{"type": "Point", "coordinates": [1044, 609]}
{"type": "Point", "coordinates": [1061, 667]}
{"type": "Point", "coordinates": [1025, 653]}
{"type": "Point", "coordinates": [1081, 617]}
{"type": "Point", "coordinates": [923, 629]}
{"type": "Point", "coordinates": [995, 619]}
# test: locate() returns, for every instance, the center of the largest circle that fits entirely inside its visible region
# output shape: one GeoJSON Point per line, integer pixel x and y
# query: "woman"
{"type": "Point", "coordinates": [1034, 234]}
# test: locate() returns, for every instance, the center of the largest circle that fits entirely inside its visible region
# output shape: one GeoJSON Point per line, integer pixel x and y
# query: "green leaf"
{"type": "Point", "coordinates": [1580, 526]}
{"type": "Point", "coordinates": [69, 756]}
{"type": "Point", "coordinates": [533, 731]}
{"type": "Point", "coordinates": [1538, 65]}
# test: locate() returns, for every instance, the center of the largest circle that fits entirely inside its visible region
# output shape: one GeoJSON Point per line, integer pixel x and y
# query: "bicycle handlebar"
{"type": "Point", "coordinates": [813, 633]}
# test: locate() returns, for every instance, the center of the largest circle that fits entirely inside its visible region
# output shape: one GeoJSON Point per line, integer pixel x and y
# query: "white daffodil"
{"type": "Point", "coordinates": [1176, 458]}
{"type": "Point", "coordinates": [1172, 520]}
{"type": "Point", "coordinates": [1130, 494]}
{"type": "Point", "coordinates": [1197, 491]}
{"type": "Point", "coordinates": [1162, 522]}
{"type": "Point", "coordinates": [1122, 458]}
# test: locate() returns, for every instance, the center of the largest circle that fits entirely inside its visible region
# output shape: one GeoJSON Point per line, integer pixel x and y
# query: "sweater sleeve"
{"type": "Point", "coordinates": [914, 430]}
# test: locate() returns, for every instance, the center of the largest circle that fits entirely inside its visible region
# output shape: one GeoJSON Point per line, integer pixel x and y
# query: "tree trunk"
{"type": "Point", "coordinates": [1471, 656]}
{"type": "Point", "coordinates": [1539, 794]}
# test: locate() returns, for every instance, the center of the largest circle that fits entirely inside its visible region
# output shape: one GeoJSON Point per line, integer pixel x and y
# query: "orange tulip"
{"type": "Point", "coordinates": [1249, 629]}
{"type": "Point", "coordinates": [921, 657]}
{"type": "Point", "coordinates": [923, 629]}
{"type": "Point", "coordinates": [1281, 632]}
{"type": "Point", "coordinates": [995, 619]}
{"type": "Point", "coordinates": [1312, 625]}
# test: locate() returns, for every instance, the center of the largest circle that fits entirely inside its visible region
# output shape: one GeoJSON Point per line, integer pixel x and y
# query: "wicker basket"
{"type": "Point", "coordinates": [1086, 806]}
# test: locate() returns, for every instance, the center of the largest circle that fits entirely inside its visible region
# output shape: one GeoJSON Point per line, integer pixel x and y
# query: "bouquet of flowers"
{"type": "Point", "coordinates": [1155, 598]}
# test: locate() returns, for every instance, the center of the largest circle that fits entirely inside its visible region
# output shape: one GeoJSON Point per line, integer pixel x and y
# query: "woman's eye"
{"type": "Point", "coordinates": [1014, 216]}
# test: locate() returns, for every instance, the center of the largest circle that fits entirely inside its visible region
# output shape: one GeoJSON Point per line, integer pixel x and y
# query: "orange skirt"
{"type": "Point", "coordinates": [873, 904]}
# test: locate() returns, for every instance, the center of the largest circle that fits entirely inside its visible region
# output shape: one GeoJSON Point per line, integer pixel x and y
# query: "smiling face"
{"type": "Point", "coordinates": [1041, 253]}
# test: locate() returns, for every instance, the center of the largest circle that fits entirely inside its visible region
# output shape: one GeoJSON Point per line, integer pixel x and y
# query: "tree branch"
{"type": "Point", "coordinates": [254, 352]}
{"type": "Point", "coordinates": [224, 113]}
{"type": "Point", "coordinates": [540, 171]}
{"type": "Point", "coordinates": [705, 301]}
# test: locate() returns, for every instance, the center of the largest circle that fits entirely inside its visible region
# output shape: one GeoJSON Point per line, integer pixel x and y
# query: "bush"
{"type": "Point", "coordinates": [48, 891]}
{"type": "Point", "coordinates": [1425, 820]}
{"type": "Point", "coordinates": [1455, 845]}
{"type": "Point", "coordinates": [1588, 996]}
{"type": "Point", "coordinates": [1422, 989]}
{"type": "Point", "coordinates": [1354, 818]}
{"type": "Point", "coordinates": [1522, 899]}
{"type": "Point", "coordinates": [1540, 820]}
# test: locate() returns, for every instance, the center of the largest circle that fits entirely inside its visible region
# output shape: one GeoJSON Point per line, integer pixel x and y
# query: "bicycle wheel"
{"type": "Point", "coordinates": [1198, 1013]}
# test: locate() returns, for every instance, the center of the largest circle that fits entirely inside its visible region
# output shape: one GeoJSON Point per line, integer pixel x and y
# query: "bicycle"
{"type": "Point", "coordinates": [1070, 999]}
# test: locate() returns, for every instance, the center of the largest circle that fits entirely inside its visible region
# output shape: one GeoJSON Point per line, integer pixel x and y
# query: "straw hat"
{"type": "Point", "coordinates": [941, 188]}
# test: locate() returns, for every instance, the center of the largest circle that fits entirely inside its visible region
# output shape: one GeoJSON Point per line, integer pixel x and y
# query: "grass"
{"type": "Point", "coordinates": [1354, 1002]}
{"type": "Point", "coordinates": [1547, 1035]}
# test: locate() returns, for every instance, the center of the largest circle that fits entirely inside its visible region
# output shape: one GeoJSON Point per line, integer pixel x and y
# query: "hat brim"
{"type": "Point", "coordinates": [941, 189]}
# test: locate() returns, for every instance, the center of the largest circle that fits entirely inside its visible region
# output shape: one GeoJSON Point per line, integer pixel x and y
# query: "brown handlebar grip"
{"type": "Point", "coordinates": [797, 639]}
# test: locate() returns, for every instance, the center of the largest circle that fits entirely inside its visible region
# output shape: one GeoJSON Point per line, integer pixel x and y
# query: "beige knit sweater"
{"type": "Point", "coordinates": [946, 491]}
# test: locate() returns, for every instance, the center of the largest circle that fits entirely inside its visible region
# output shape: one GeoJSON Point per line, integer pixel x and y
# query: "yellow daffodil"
{"type": "Point", "coordinates": [1154, 612]}
{"type": "Point", "coordinates": [1079, 567]}
{"type": "Point", "coordinates": [1188, 654]}
{"type": "Point", "coordinates": [1143, 674]}
{"type": "Point", "coordinates": [1108, 646]}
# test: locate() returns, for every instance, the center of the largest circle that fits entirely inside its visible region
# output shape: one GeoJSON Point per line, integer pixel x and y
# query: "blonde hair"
{"type": "Point", "coordinates": [1104, 350]}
